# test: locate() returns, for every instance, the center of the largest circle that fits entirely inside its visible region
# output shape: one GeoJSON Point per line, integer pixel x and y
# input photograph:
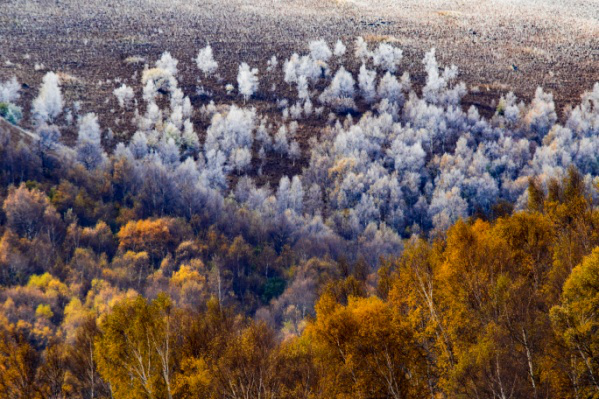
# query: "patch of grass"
{"type": "Point", "coordinates": [134, 59]}
{"type": "Point", "coordinates": [381, 39]}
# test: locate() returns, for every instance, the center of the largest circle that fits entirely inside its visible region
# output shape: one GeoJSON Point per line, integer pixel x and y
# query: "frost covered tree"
{"type": "Point", "coordinates": [241, 159]}
{"type": "Point", "coordinates": [49, 103]}
{"type": "Point", "coordinates": [296, 195]}
{"type": "Point", "coordinates": [378, 240]}
{"type": "Point", "coordinates": [584, 118]}
{"type": "Point", "coordinates": [446, 207]}
{"type": "Point", "coordinates": [232, 136]}
{"type": "Point", "coordinates": [407, 157]}
{"type": "Point", "coordinates": [139, 145]}
{"type": "Point", "coordinates": [366, 211]}
{"type": "Point", "coordinates": [272, 64]}
{"type": "Point", "coordinates": [89, 147]}
{"type": "Point", "coordinates": [509, 109]}
{"type": "Point", "coordinates": [190, 187]}
{"type": "Point", "coordinates": [439, 88]}
{"type": "Point", "coordinates": [214, 170]}
{"type": "Point", "coordinates": [308, 107]}
{"type": "Point", "coordinates": [152, 117]}
{"type": "Point", "coordinates": [290, 69]}
{"type": "Point", "coordinates": [156, 80]}
{"type": "Point", "coordinates": [367, 84]}
{"type": "Point", "coordinates": [262, 135]}
{"type": "Point", "coordinates": [281, 143]}
{"type": "Point", "coordinates": [189, 138]}
{"type": "Point", "coordinates": [176, 118]}
{"type": "Point", "coordinates": [389, 88]}
{"type": "Point", "coordinates": [247, 80]}
{"type": "Point", "coordinates": [284, 195]}
{"type": "Point", "coordinates": [48, 144]}
{"type": "Point", "coordinates": [541, 114]}
{"type": "Point", "coordinates": [296, 111]}
{"type": "Point", "coordinates": [168, 151]}
{"type": "Point", "coordinates": [158, 194]}
{"type": "Point", "coordinates": [9, 90]}
{"type": "Point", "coordinates": [124, 95]}
{"type": "Point", "coordinates": [340, 49]}
{"type": "Point", "coordinates": [387, 57]}
{"type": "Point", "coordinates": [205, 61]}
{"type": "Point", "coordinates": [169, 131]}
{"type": "Point", "coordinates": [305, 66]}
{"type": "Point", "coordinates": [295, 152]}
{"type": "Point", "coordinates": [361, 49]}
{"type": "Point", "coordinates": [313, 200]}
{"type": "Point", "coordinates": [167, 63]}
{"type": "Point", "coordinates": [320, 51]}
{"type": "Point", "coordinates": [49, 138]}
{"type": "Point", "coordinates": [11, 112]}
{"type": "Point", "coordinates": [340, 93]}
{"type": "Point", "coordinates": [303, 91]}
{"type": "Point", "coordinates": [89, 128]}
{"type": "Point", "coordinates": [149, 92]}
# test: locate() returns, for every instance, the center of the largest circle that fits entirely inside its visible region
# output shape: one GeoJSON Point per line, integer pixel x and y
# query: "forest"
{"type": "Point", "coordinates": [324, 226]}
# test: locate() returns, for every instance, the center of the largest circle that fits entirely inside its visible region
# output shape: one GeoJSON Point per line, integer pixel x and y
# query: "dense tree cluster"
{"type": "Point", "coordinates": [418, 250]}
{"type": "Point", "coordinates": [159, 309]}
{"type": "Point", "coordinates": [387, 157]}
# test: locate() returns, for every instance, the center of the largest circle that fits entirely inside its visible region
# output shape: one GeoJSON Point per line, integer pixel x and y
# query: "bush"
{"type": "Point", "coordinates": [11, 113]}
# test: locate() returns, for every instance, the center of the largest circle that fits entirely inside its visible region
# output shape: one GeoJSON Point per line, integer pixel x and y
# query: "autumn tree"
{"type": "Point", "coordinates": [366, 349]}
{"type": "Point", "coordinates": [247, 368]}
{"type": "Point", "coordinates": [569, 206]}
{"type": "Point", "coordinates": [156, 237]}
{"type": "Point", "coordinates": [82, 375]}
{"type": "Point", "coordinates": [412, 283]}
{"type": "Point", "coordinates": [136, 349]}
{"type": "Point", "coordinates": [30, 214]}
{"type": "Point", "coordinates": [576, 323]}
{"type": "Point", "coordinates": [19, 361]}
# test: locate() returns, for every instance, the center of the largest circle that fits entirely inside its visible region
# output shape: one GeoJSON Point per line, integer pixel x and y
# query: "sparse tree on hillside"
{"type": "Point", "coordinates": [89, 147]}
{"type": "Point", "coordinates": [440, 88]}
{"type": "Point", "coordinates": [205, 61]}
{"type": "Point", "coordinates": [48, 104]}
{"type": "Point", "coordinates": [295, 151]}
{"type": "Point", "coordinates": [167, 63]}
{"type": "Point", "coordinates": [281, 144]}
{"type": "Point", "coordinates": [339, 49]}
{"type": "Point", "coordinates": [9, 90]}
{"type": "Point", "coordinates": [272, 64]}
{"type": "Point", "coordinates": [247, 81]}
{"type": "Point", "coordinates": [340, 92]}
{"type": "Point", "coordinates": [361, 49]}
{"type": "Point", "coordinates": [124, 95]}
{"type": "Point", "coordinates": [389, 88]}
{"type": "Point", "coordinates": [232, 135]}
{"type": "Point", "coordinates": [387, 57]}
{"type": "Point", "coordinates": [367, 84]}
{"type": "Point", "coordinates": [320, 51]}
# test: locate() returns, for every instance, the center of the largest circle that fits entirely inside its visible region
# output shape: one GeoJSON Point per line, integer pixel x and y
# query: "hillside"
{"type": "Point", "coordinates": [552, 43]}
{"type": "Point", "coordinates": [299, 199]}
